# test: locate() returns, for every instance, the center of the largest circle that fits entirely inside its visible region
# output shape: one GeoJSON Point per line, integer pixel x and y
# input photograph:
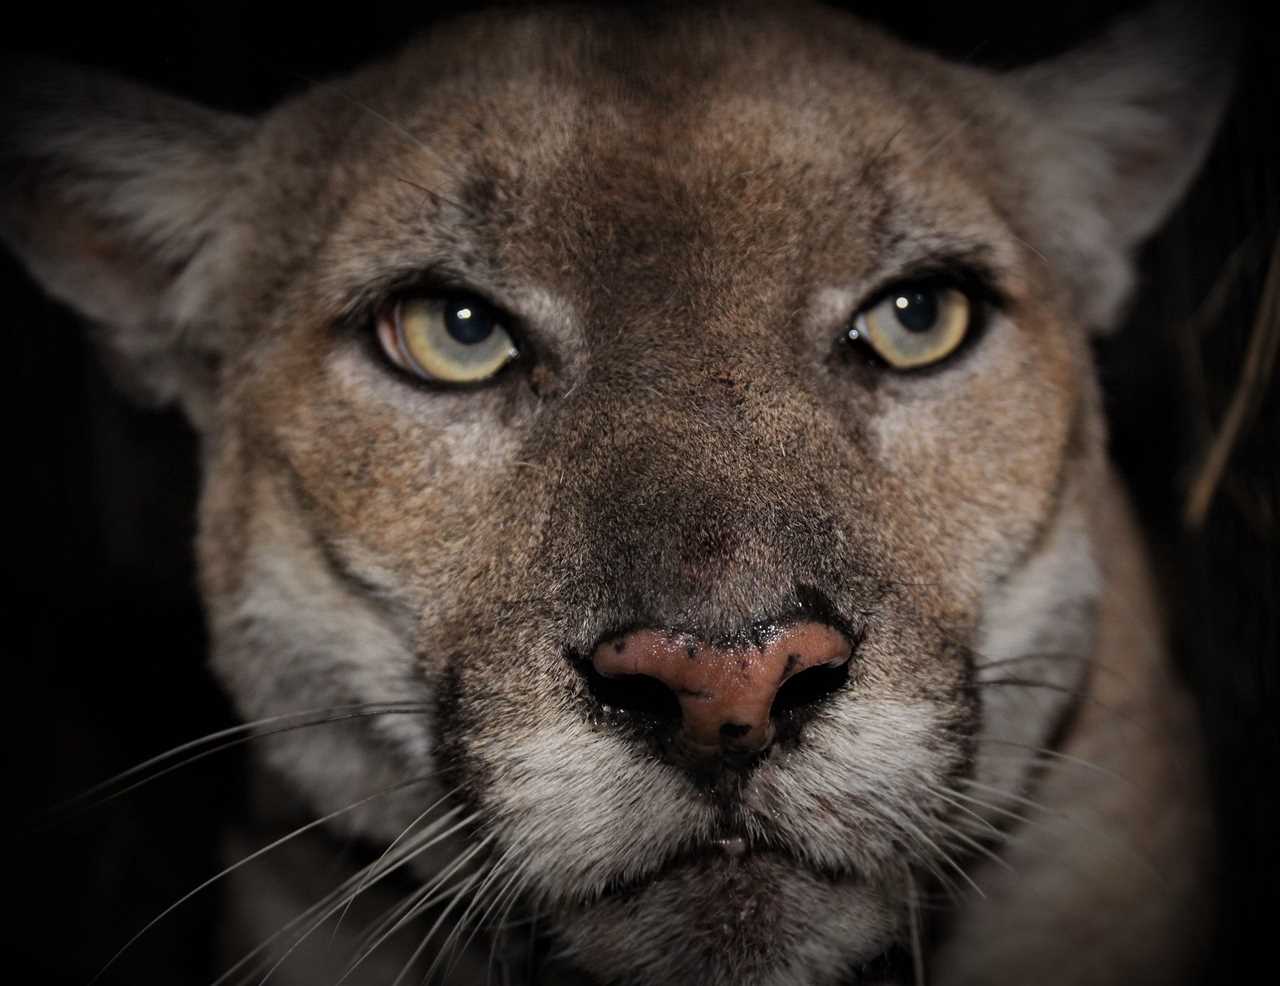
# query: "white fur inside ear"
{"type": "Point", "coordinates": [1110, 136]}
{"type": "Point", "coordinates": [122, 206]}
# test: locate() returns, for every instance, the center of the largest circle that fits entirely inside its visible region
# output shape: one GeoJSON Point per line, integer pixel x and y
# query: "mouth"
{"type": "Point", "coordinates": [733, 860]}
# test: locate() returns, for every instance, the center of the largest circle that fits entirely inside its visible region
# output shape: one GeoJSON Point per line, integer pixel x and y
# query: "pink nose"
{"type": "Point", "coordinates": [725, 693]}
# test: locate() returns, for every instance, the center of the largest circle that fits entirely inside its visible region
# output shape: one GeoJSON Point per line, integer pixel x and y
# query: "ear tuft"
{"type": "Point", "coordinates": [115, 198]}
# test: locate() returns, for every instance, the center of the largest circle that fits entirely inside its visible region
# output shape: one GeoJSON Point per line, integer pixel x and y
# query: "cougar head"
{"type": "Point", "coordinates": [667, 419]}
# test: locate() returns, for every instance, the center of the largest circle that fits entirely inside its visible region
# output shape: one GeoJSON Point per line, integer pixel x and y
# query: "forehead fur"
{"type": "Point", "coordinates": [658, 158]}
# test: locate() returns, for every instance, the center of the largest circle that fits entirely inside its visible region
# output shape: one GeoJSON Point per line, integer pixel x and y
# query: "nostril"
{"type": "Point", "coordinates": [639, 695]}
{"type": "Point", "coordinates": [808, 687]}
{"type": "Point", "coordinates": [719, 698]}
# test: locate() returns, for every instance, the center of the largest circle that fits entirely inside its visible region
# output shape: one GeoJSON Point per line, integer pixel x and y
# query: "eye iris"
{"type": "Point", "coordinates": [468, 322]}
{"type": "Point", "coordinates": [916, 310]}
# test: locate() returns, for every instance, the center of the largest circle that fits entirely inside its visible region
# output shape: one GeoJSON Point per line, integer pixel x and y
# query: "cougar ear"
{"type": "Point", "coordinates": [119, 201]}
{"type": "Point", "coordinates": [1111, 136]}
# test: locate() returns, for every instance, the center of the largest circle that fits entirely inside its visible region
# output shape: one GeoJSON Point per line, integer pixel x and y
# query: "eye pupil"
{"type": "Point", "coordinates": [916, 309]}
{"type": "Point", "coordinates": [468, 321]}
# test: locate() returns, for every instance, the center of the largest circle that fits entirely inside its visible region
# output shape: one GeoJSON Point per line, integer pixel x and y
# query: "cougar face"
{"type": "Point", "coordinates": [543, 385]}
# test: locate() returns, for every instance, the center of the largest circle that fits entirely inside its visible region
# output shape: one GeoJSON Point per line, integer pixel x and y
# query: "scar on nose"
{"type": "Point", "coordinates": [734, 730]}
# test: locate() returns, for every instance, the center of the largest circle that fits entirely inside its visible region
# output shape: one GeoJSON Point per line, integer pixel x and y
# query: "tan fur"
{"type": "Point", "coordinates": [681, 216]}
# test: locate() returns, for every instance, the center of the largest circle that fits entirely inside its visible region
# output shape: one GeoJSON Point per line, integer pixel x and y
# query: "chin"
{"type": "Point", "coordinates": [751, 919]}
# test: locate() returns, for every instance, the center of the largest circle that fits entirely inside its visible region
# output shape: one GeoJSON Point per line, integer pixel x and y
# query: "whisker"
{"type": "Point", "coordinates": [982, 663]}
{"type": "Point", "coordinates": [924, 859]}
{"type": "Point", "coordinates": [391, 124]}
{"type": "Point", "coordinates": [947, 858]}
{"type": "Point", "coordinates": [1118, 840]}
{"type": "Point", "coordinates": [985, 851]}
{"type": "Point", "coordinates": [391, 846]}
{"type": "Point", "coordinates": [419, 900]}
{"type": "Point", "coordinates": [250, 858]}
{"type": "Point", "coordinates": [1111, 709]}
{"type": "Point", "coordinates": [507, 923]}
{"type": "Point", "coordinates": [913, 918]}
{"type": "Point", "coordinates": [460, 891]}
{"type": "Point", "coordinates": [874, 160]}
{"type": "Point", "coordinates": [407, 854]}
{"type": "Point", "coordinates": [1024, 683]}
{"type": "Point", "coordinates": [416, 904]}
{"type": "Point", "coordinates": [452, 939]}
{"type": "Point", "coordinates": [942, 795]}
{"type": "Point", "coordinates": [413, 139]}
{"type": "Point", "coordinates": [425, 841]}
{"type": "Point", "coordinates": [1009, 813]}
{"type": "Point", "coordinates": [96, 796]}
{"type": "Point", "coordinates": [503, 926]}
{"type": "Point", "coordinates": [1056, 755]}
{"type": "Point", "coordinates": [531, 959]}
{"type": "Point", "coordinates": [513, 882]}
{"type": "Point", "coordinates": [968, 840]}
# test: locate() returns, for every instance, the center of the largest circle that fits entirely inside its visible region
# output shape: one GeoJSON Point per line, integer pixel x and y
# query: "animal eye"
{"type": "Point", "coordinates": [915, 324]}
{"type": "Point", "coordinates": [455, 339]}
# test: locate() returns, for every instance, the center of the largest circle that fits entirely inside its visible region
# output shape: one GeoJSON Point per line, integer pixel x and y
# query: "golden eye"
{"type": "Point", "coordinates": [915, 324]}
{"type": "Point", "coordinates": [454, 339]}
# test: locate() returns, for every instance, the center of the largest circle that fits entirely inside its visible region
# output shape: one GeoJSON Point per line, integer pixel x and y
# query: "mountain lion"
{"type": "Point", "coordinates": [655, 495]}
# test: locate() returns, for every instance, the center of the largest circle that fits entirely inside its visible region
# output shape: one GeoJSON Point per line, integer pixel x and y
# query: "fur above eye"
{"type": "Point", "coordinates": [451, 339]}
{"type": "Point", "coordinates": [915, 323]}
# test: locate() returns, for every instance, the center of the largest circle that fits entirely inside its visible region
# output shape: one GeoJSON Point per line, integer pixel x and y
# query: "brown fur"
{"type": "Point", "coordinates": [681, 215]}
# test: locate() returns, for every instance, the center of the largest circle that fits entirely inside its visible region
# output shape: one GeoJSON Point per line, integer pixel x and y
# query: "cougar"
{"type": "Point", "coordinates": [655, 495]}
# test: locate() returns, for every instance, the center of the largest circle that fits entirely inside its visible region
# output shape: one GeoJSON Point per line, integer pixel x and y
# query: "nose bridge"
{"type": "Point", "coordinates": [690, 491]}
{"type": "Point", "coordinates": [682, 509]}
{"type": "Point", "coordinates": [693, 408]}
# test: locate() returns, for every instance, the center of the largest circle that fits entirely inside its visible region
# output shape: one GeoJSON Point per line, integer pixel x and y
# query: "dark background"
{"type": "Point", "coordinates": [105, 656]}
